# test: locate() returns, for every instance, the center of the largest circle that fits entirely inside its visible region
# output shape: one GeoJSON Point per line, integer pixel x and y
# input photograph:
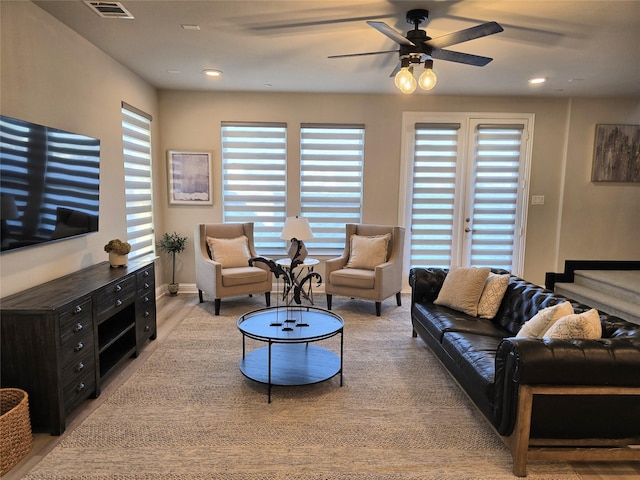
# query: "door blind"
{"type": "Point", "coordinates": [136, 149]}
{"type": "Point", "coordinates": [495, 195]}
{"type": "Point", "coordinates": [434, 187]}
{"type": "Point", "coordinates": [331, 164]}
{"type": "Point", "coordinates": [254, 174]}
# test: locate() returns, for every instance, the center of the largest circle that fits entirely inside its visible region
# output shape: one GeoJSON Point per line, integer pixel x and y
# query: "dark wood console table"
{"type": "Point", "coordinates": [62, 338]}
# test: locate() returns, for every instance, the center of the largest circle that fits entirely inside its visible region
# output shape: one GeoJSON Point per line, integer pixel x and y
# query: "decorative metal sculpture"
{"type": "Point", "coordinates": [295, 288]}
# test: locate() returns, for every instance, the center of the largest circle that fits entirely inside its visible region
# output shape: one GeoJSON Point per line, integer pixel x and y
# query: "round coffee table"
{"type": "Point", "coordinates": [288, 359]}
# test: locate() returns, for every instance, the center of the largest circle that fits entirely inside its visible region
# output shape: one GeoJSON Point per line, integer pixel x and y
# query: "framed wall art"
{"type": "Point", "coordinates": [189, 178]}
{"type": "Point", "coordinates": [617, 154]}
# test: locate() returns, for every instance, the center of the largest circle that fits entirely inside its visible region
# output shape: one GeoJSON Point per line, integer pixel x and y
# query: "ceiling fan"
{"type": "Point", "coordinates": [418, 48]}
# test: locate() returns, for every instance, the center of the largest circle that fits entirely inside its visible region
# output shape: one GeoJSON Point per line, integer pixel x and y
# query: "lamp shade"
{"type": "Point", "coordinates": [296, 227]}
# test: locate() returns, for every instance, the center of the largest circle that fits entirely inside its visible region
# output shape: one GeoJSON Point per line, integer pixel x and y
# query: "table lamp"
{"type": "Point", "coordinates": [297, 229]}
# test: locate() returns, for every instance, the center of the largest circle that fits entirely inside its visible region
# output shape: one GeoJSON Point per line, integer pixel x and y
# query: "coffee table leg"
{"type": "Point", "coordinates": [269, 367]}
{"type": "Point", "coordinates": [341, 353]}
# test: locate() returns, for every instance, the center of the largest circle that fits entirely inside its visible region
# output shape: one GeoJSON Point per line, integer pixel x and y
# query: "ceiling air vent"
{"type": "Point", "coordinates": [109, 9]}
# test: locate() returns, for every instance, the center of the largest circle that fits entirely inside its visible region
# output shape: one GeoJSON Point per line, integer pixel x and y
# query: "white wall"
{"type": "Point", "coordinates": [52, 76]}
{"type": "Point", "coordinates": [191, 121]}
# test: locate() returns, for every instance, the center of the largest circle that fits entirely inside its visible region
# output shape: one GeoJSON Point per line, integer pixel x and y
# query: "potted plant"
{"type": "Point", "coordinates": [118, 251]}
{"type": "Point", "coordinates": [173, 244]}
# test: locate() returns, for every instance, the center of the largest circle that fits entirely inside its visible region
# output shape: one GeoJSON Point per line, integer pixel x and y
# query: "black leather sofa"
{"type": "Point", "coordinates": [548, 398]}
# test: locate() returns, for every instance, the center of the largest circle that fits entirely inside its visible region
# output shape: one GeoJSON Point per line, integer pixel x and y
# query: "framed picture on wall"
{"type": "Point", "coordinates": [617, 154]}
{"type": "Point", "coordinates": [189, 178]}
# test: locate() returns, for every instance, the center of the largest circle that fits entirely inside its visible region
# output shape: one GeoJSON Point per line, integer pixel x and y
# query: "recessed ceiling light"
{"type": "Point", "coordinates": [190, 27]}
{"type": "Point", "coordinates": [210, 72]}
{"type": "Point", "coordinates": [173, 71]}
{"type": "Point", "coordinates": [537, 80]}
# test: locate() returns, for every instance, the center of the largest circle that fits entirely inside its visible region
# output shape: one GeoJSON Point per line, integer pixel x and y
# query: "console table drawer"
{"type": "Point", "coordinates": [116, 296]}
{"type": "Point", "coordinates": [75, 321]}
{"type": "Point", "coordinates": [146, 281]}
{"type": "Point", "coordinates": [79, 388]}
{"type": "Point", "coordinates": [73, 350]}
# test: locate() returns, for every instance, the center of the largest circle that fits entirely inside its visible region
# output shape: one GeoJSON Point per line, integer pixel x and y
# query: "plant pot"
{"type": "Point", "coordinates": [116, 260]}
{"type": "Point", "coordinates": [173, 288]}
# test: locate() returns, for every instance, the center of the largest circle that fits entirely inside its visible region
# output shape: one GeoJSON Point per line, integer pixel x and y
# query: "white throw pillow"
{"type": "Point", "coordinates": [492, 294]}
{"type": "Point", "coordinates": [544, 319]}
{"type": "Point", "coordinates": [230, 252]}
{"type": "Point", "coordinates": [366, 253]}
{"type": "Point", "coordinates": [462, 288]}
{"type": "Point", "coordinates": [578, 325]}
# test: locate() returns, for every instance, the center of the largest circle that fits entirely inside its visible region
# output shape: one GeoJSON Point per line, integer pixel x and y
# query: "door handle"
{"type": "Point", "coordinates": [469, 229]}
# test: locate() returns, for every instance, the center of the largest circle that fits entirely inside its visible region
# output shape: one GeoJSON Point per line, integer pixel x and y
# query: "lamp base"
{"type": "Point", "coordinates": [297, 250]}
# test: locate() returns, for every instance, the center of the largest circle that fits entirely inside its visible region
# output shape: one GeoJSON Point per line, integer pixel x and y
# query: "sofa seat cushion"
{"type": "Point", "coordinates": [354, 278]}
{"type": "Point", "coordinates": [232, 277]}
{"type": "Point", "coordinates": [474, 356]}
{"type": "Point", "coordinates": [438, 320]}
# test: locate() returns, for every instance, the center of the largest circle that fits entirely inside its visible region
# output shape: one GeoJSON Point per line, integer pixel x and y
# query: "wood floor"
{"type": "Point", "coordinates": [171, 311]}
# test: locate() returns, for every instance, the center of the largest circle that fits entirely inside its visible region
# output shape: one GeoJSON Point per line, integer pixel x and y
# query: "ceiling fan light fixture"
{"type": "Point", "coordinates": [404, 78]}
{"type": "Point", "coordinates": [428, 79]}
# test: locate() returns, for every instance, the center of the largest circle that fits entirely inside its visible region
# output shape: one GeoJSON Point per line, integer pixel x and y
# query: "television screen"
{"type": "Point", "coordinates": [49, 184]}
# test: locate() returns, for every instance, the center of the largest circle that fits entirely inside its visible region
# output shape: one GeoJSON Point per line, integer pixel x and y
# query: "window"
{"type": "Point", "coordinates": [331, 163]}
{"type": "Point", "coordinates": [136, 149]}
{"type": "Point", "coordinates": [468, 190]}
{"type": "Point", "coordinates": [434, 192]}
{"type": "Point", "coordinates": [254, 174]}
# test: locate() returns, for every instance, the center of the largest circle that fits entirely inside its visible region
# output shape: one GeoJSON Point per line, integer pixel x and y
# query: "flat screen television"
{"type": "Point", "coordinates": [49, 184]}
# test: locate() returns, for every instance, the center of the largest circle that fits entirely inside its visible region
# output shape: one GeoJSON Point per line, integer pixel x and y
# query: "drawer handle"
{"type": "Point", "coordinates": [81, 386]}
{"type": "Point", "coordinates": [78, 327]}
{"type": "Point", "coordinates": [146, 285]}
{"type": "Point", "coordinates": [77, 309]}
{"type": "Point", "coordinates": [146, 300]}
{"type": "Point", "coordinates": [78, 347]}
{"type": "Point", "coordinates": [118, 303]}
{"type": "Point", "coordinates": [79, 367]}
{"type": "Point", "coordinates": [146, 273]}
{"type": "Point", "coordinates": [118, 288]}
{"type": "Point", "coordinates": [147, 328]}
{"type": "Point", "coordinates": [146, 313]}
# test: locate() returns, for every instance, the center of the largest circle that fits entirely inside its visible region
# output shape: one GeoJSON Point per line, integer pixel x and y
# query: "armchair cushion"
{"type": "Point", "coordinates": [366, 252]}
{"type": "Point", "coordinates": [230, 252]}
{"type": "Point", "coordinates": [234, 276]}
{"type": "Point", "coordinates": [353, 277]}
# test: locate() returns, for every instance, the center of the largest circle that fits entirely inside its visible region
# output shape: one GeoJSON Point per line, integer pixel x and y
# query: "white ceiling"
{"type": "Point", "coordinates": [584, 48]}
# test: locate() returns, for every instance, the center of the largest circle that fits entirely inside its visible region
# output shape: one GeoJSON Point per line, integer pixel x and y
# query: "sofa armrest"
{"type": "Point", "coordinates": [426, 284]}
{"type": "Point", "coordinates": [532, 361]}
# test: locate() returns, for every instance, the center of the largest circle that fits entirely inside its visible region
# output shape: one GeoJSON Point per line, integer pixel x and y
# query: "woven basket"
{"type": "Point", "coordinates": [15, 428]}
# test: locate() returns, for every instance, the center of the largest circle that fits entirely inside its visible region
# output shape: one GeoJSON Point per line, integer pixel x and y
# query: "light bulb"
{"type": "Point", "coordinates": [428, 79]}
{"type": "Point", "coordinates": [404, 80]}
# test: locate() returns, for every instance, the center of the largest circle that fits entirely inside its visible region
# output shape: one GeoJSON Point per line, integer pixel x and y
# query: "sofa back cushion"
{"type": "Point", "coordinates": [522, 301]}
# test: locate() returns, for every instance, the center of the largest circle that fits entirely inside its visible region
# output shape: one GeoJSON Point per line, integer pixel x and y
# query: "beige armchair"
{"type": "Point", "coordinates": [370, 267]}
{"type": "Point", "coordinates": [222, 253]}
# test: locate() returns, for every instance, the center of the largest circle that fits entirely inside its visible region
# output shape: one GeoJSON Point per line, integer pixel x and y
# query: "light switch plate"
{"type": "Point", "coordinates": [537, 199]}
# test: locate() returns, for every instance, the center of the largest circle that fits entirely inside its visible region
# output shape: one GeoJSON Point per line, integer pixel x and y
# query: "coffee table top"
{"type": "Point", "coordinates": [293, 324]}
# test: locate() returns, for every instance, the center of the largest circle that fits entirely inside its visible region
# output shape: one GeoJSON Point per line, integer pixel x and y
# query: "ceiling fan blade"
{"type": "Point", "coordinates": [461, 36]}
{"type": "Point", "coordinates": [396, 70]}
{"type": "Point", "coordinates": [459, 57]}
{"type": "Point", "coordinates": [361, 54]}
{"type": "Point", "coordinates": [391, 33]}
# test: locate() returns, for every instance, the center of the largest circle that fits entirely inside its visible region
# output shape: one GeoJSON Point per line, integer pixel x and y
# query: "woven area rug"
{"type": "Point", "coordinates": [189, 413]}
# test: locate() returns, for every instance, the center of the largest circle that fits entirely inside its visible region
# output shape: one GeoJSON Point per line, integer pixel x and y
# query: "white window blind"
{"type": "Point", "coordinates": [136, 141]}
{"type": "Point", "coordinates": [434, 194]}
{"type": "Point", "coordinates": [495, 195]}
{"type": "Point", "coordinates": [331, 164]}
{"type": "Point", "coordinates": [254, 174]}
